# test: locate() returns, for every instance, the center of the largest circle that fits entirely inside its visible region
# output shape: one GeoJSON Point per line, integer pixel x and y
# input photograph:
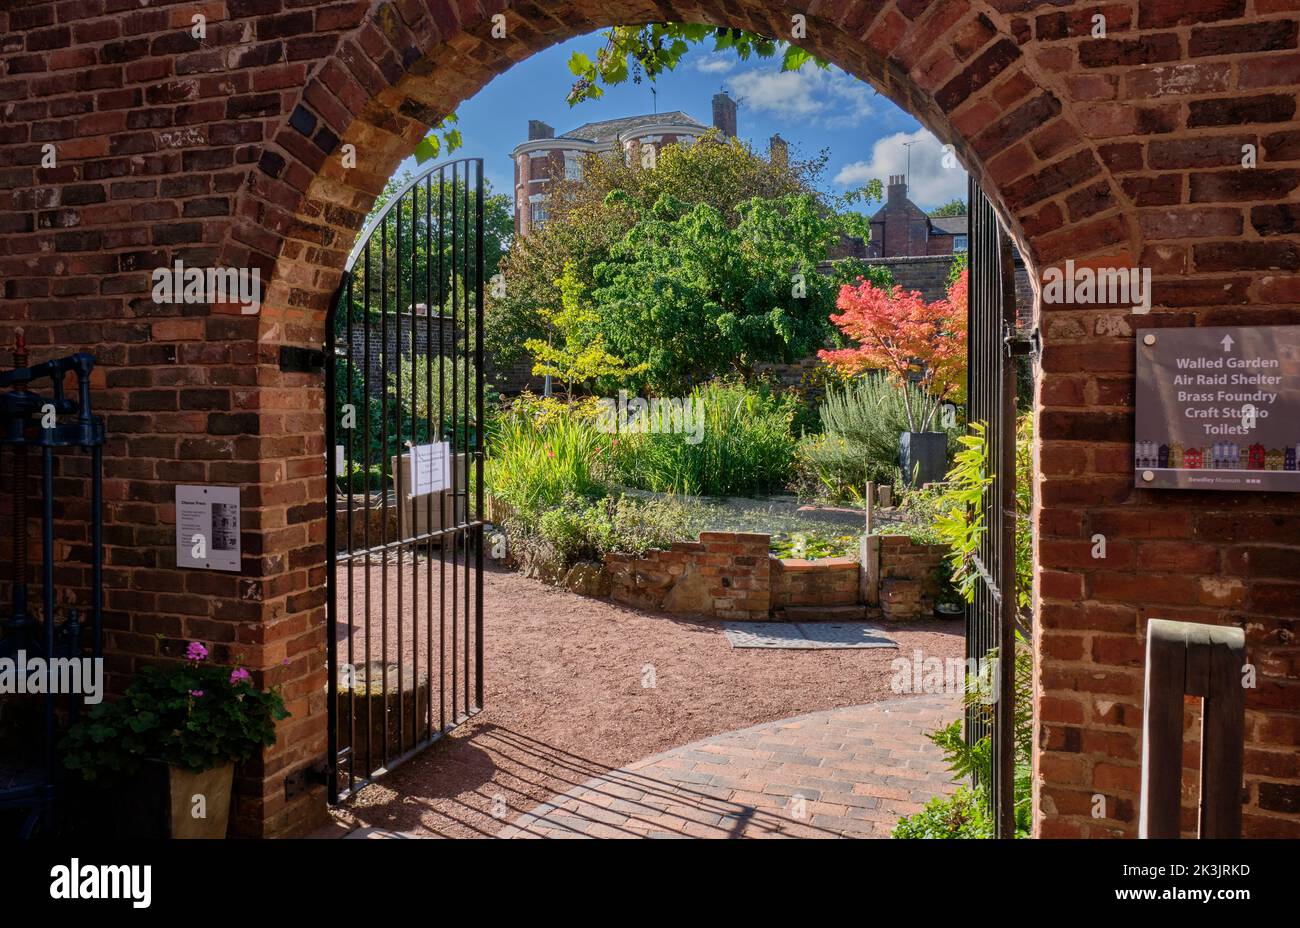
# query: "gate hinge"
{"type": "Point", "coordinates": [1017, 343]}
{"type": "Point", "coordinates": [298, 360]}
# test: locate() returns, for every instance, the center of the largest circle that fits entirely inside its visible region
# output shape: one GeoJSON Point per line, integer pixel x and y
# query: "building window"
{"type": "Point", "coordinates": [959, 244]}
{"type": "Point", "coordinates": [572, 166]}
{"type": "Point", "coordinates": [536, 211]}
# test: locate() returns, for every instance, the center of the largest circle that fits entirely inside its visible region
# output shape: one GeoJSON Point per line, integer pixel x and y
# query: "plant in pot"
{"type": "Point", "coordinates": [918, 345]}
{"type": "Point", "coordinates": [168, 747]}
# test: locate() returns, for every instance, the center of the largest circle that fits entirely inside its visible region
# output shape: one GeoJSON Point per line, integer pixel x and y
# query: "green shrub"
{"type": "Point", "coordinates": [746, 448]}
{"type": "Point", "coordinates": [587, 530]}
{"type": "Point", "coordinates": [862, 421]}
{"type": "Point", "coordinates": [534, 463]}
{"type": "Point", "coordinates": [960, 815]}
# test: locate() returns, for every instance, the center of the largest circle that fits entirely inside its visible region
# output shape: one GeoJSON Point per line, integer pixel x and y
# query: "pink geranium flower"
{"type": "Point", "coordinates": [196, 652]}
{"type": "Point", "coordinates": [239, 675]}
{"type": "Point", "coordinates": [196, 693]}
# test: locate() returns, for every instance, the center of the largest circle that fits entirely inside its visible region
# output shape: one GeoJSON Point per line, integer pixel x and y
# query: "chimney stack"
{"type": "Point", "coordinates": [539, 130]}
{"type": "Point", "coordinates": [897, 190]}
{"type": "Point", "coordinates": [724, 114]}
{"type": "Point", "coordinates": [778, 151]}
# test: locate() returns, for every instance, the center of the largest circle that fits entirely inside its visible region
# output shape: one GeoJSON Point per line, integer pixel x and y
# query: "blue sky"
{"type": "Point", "coordinates": [812, 109]}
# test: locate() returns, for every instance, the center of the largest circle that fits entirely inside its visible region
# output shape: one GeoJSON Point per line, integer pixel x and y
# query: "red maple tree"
{"type": "Point", "coordinates": [909, 339]}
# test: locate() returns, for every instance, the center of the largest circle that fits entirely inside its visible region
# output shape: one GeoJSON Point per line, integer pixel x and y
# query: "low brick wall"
{"type": "Point", "coordinates": [831, 581]}
{"type": "Point", "coordinates": [908, 581]}
{"type": "Point", "coordinates": [725, 575]}
{"type": "Point", "coordinates": [731, 575]}
{"type": "Point", "coordinates": [375, 515]}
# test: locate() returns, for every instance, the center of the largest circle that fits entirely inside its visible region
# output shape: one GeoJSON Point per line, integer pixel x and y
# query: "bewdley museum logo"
{"type": "Point", "coordinates": [1218, 408]}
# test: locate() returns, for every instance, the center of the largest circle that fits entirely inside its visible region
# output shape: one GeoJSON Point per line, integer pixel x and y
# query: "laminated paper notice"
{"type": "Point", "coordinates": [207, 527]}
{"type": "Point", "coordinates": [429, 468]}
{"type": "Point", "coordinates": [1218, 408]}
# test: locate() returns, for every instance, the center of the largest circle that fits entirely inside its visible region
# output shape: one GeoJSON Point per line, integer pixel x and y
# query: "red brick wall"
{"type": "Point", "coordinates": [724, 575]}
{"type": "Point", "coordinates": [908, 579]}
{"type": "Point", "coordinates": [829, 581]}
{"type": "Point", "coordinates": [228, 151]}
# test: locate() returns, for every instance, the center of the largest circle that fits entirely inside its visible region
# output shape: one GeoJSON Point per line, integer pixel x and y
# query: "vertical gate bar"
{"type": "Point", "coordinates": [1007, 527]}
{"type": "Point", "coordinates": [467, 534]}
{"type": "Point", "coordinates": [97, 543]}
{"type": "Point", "coordinates": [365, 528]}
{"type": "Point", "coordinates": [442, 420]}
{"type": "Point", "coordinates": [383, 484]}
{"type": "Point", "coordinates": [479, 421]}
{"type": "Point", "coordinates": [451, 448]}
{"type": "Point", "coordinates": [415, 439]}
{"type": "Point", "coordinates": [433, 437]}
{"type": "Point", "coordinates": [331, 562]}
{"type": "Point", "coordinates": [47, 593]}
{"type": "Point", "coordinates": [352, 560]}
{"type": "Point", "coordinates": [399, 498]}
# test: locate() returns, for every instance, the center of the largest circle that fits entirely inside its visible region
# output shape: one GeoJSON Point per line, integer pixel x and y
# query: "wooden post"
{"type": "Point", "coordinates": [1197, 660]}
{"type": "Point", "coordinates": [869, 555]}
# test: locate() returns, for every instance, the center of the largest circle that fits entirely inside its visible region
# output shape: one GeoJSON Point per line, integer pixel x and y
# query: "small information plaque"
{"type": "Point", "coordinates": [207, 527]}
{"type": "Point", "coordinates": [429, 468]}
{"type": "Point", "coordinates": [1218, 408]}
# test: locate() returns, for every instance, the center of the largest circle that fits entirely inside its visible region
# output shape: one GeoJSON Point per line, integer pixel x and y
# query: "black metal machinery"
{"type": "Point", "coordinates": [29, 773]}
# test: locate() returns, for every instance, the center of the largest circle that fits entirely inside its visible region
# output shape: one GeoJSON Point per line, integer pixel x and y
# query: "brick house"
{"type": "Point", "coordinates": [901, 229]}
{"type": "Point", "coordinates": [232, 151]}
{"type": "Point", "coordinates": [545, 158]}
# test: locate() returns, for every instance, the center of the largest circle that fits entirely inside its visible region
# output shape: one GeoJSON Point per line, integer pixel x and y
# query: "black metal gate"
{"type": "Point", "coordinates": [404, 384]}
{"type": "Point", "coordinates": [991, 400]}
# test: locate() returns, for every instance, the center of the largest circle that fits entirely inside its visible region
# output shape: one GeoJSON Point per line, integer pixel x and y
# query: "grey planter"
{"type": "Point", "coordinates": [923, 456]}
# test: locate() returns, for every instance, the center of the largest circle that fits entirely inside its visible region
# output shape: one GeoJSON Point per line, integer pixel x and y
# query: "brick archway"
{"type": "Point", "coordinates": [227, 151]}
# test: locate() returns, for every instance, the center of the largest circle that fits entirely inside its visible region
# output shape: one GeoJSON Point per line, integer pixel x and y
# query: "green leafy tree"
{"type": "Point", "coordinates": [586, 219]}
{"type": "Point", "coordinates": [687, 297]}
{"type": "Point", "coordinates": [445, 135]}
{"type": "Point", "coordinates": [638, 53]}
{"type": "Point", "coordinates": [575, 353]}
{"type": "Point", "coordinates": [955, 207]}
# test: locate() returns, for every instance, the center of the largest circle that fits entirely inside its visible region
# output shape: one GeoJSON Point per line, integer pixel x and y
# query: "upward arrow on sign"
{"type": "Point", "coordinates": [1227, 343]}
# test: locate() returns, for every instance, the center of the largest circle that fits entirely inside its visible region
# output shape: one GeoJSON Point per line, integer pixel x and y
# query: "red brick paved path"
{"type": "Point", "coordinates": [839, 773]}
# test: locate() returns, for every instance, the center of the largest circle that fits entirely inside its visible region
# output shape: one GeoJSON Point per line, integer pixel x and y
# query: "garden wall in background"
{"type": "Point", "coordinates": [732, 575]}
{"type": "Point", "coordinates": [227, 152]}
{"type": "Point", "coordinates": [724, 575]}
{"type": "Point", "coordinates": [909, 577]}
{"type": "Point", "coordinates": [830, 581]}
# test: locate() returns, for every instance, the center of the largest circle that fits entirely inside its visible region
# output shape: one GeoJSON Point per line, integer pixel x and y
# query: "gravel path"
{"type": "Point", "coordinates": [566, 700]}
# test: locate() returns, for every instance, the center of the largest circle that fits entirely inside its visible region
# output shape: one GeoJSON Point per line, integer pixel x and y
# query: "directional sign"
{"type": "Point", "coordinates": [1218, 408]}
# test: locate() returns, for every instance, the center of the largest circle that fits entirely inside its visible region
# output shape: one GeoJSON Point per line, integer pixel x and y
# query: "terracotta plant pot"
{"type": "Point", "coordinates": [199, 802]}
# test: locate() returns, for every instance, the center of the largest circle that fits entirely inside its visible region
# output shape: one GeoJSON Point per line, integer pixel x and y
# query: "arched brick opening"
{"type": "Point", "coordinates": [228, 152]}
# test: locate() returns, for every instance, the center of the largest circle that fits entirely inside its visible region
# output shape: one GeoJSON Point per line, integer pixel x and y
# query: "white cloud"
{"type": "Point", "coordinates": [716, 63]}
{"type": "Point", "coordinates": [829, 98]}
{"type": "Point", "coordinates": [931, 184]}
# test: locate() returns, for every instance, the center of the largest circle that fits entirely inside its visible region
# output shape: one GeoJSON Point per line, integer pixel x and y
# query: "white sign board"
{"type": "Point", "coordinates": [207, 527]}
{"type": "Point", "coordinates": [430, 471]}
{"type": "Point", "coordinates": [340, 460]}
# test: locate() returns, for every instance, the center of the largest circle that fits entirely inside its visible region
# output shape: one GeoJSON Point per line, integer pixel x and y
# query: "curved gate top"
{"type": "Point", "coordinates": [404, 430]}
